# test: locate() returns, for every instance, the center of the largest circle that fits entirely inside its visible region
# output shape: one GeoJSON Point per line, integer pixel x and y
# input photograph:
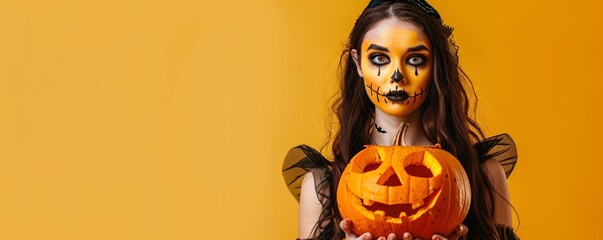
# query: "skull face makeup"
{"type": "Point", "coordinates": [396, 64]}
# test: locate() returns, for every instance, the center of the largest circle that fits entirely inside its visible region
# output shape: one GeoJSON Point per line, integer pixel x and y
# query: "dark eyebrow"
{"type": "Point", "coordinates": [418, 48]}
{"type": "Point", "coordinates": [377, 47]}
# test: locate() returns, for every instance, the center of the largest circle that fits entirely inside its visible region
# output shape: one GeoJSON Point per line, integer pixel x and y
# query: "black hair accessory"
{"type": "Point", "coordinates": [420, 3]}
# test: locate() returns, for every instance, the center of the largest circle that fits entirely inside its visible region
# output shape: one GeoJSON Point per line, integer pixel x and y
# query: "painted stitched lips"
{"type": "Point", "coordinates": [395, 96]}
{"type": "Point", "coordinates": [421, 190]}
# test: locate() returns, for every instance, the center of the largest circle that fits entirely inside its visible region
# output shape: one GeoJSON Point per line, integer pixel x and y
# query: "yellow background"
{"type": "Point", "coordinates": [170, 119]}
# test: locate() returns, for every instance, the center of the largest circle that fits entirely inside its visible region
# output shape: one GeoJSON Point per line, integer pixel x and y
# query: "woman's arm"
{"type": "Point", "coordinates": [502, 208]}
{"type": "Point", "coordinates": [309, 207]}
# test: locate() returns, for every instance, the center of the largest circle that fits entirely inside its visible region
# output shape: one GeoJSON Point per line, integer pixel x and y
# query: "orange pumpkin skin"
{"type": "Point", "coordinates": [398, 189]}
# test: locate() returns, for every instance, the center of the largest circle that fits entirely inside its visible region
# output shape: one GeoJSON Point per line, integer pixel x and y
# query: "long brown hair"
{"type": "Point", "coordinates": [446, 112]}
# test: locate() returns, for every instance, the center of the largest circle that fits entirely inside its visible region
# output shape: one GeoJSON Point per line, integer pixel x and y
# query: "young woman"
{"type": "Point", "coordinates": [400, 67]}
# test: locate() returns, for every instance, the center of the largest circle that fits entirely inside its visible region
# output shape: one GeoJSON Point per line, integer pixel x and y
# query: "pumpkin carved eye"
{"type": "Point", "coordinates": [370, 161]}
{"type": "Point", "coordinates": [422, 164]}
{"type": "Point", "coordinates": [371, 167]}
{"type": "Point", "coordinates": [418, 171]}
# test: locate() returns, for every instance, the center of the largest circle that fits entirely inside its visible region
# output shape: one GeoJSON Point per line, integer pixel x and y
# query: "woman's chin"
{"type": "Point", "coordinates": [397, 109]}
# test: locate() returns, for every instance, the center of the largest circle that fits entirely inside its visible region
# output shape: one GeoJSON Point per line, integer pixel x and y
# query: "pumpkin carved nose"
{"type": "Point", "coordinates": [389, 178]}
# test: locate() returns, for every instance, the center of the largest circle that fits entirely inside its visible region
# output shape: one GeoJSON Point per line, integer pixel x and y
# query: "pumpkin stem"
{"type": "Point", "coordinates": [399, 138]}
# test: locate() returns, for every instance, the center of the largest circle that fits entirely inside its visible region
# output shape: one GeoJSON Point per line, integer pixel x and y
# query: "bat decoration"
{"type": "Point", "coordinates": [379, 129]}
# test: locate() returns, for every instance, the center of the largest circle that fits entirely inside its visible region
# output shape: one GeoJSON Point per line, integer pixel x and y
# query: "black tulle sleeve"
{"type": "Point", "coordinates": [298, 162]}
{"type": "Point", "coordinates": [500, 147]}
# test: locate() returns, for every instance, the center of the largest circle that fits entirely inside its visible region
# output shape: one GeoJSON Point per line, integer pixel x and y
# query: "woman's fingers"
{"type": "Point", "coordinates": [391, 236]}
{"type": "Point", "coordinates": [438, 237]}
{"type": "Point", "coordinates": [460, 231]}
{"type": "Point", "coordinates": [365, 236]}
{"type": "Point", "coordinates": [346, 226]}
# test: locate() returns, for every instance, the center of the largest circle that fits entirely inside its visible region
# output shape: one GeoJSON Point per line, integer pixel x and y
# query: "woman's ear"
{"type": "Point", "coordinates": [354, 54]}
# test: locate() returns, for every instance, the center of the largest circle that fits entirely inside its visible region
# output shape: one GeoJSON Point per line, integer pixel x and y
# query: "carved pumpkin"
{"type": "Point", "coordinates": [421, 190]}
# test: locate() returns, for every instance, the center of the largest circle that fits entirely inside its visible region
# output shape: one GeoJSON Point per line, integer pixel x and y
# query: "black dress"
{"type": "Point", "coordinates": [303, 159]}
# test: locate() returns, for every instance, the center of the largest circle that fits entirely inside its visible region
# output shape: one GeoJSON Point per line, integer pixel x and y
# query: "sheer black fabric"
{"type": "Point", "coordinates": [303, 159]}
{"type": "Point", "coordinates": [500, 147]}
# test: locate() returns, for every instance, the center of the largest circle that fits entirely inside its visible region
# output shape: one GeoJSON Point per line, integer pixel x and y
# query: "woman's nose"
{"type": "Point", "coordinates": [397, 76]}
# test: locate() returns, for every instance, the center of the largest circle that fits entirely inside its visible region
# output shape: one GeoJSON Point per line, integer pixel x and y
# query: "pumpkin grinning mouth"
{"type": "Point", "coordinates": [398, 211]}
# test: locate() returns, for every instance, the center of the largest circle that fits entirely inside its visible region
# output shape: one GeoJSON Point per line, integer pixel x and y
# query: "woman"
{"type": "Point", "coordinates": [400, 67]}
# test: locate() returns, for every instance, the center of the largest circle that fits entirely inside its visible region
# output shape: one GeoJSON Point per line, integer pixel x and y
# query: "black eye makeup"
{"type": "Point", "coordinates": [416, 60]}
{"type": "Point", "coordinates": [379, 59]}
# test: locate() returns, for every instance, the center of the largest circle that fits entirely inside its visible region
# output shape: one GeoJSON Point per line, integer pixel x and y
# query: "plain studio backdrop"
{"type": "Point", "coordinates": [170, 119]}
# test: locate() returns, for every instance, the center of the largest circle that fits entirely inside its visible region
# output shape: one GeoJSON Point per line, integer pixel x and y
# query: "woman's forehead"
{"type": "Point", "coordinates": [394, 32]}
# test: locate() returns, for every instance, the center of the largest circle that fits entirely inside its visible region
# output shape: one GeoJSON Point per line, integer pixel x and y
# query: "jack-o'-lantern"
{"type": "Point", "coordinates": [397, 189]}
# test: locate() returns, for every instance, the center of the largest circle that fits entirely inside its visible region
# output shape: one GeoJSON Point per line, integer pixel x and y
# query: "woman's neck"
{"type": "Point", "coordinates": [386, 126]}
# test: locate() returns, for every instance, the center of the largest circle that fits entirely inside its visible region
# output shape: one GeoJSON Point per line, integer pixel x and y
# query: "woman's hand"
{"type": "Point", "coordinates": [459, 232]}
{"type": "Point", "coordinates": [346, 226]}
